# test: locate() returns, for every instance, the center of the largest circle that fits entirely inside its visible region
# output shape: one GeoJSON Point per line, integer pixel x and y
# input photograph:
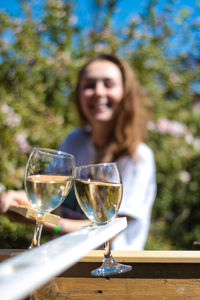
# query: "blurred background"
{"type": "Point", "coordinates": [43, 44]}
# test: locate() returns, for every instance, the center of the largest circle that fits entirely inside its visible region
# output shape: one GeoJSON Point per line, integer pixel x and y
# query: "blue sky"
{"type": "Point", "coordinates": [13, 7]}
{"type": "Point", "coordinates": [127, 8]}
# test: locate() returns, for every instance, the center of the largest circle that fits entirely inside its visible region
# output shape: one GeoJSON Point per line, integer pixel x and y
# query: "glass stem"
{"type": "Point", "coordinates": [107, 252]}
{"type": "Point", "coordinates": [108, 259]}
{"type": "Point", "coordinates": [37, 234]}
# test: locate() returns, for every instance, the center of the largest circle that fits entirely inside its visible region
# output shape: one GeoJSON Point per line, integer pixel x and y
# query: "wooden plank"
{"type": "Point", "coordinates": [140, 270]}
{"type": "Point", "coordinates": [31, 213]}
{"type": "Point", "coordinates": [147, 256]}
{"type": "Point", "coordinates": [117, 288]}
{"type": "Point", "coordinates": [145, 264]}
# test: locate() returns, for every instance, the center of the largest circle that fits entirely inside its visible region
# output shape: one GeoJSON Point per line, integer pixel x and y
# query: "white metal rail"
{"type": "Point", "coordinates": [26, 272]}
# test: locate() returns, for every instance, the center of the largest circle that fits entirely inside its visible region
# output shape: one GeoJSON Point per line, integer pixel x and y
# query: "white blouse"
{"type": "Point", "coordinates": [139, 187]}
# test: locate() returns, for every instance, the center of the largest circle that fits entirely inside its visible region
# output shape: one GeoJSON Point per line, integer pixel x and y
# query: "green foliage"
{"type": "Point", "coordinates": [15, 235]}
{"type": "Point", "coordinates": [40, 59]}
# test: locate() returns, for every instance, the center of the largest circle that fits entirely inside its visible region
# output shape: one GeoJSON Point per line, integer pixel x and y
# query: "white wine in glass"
{"type": "Point", "coordinates": [48, 179]}
{"type": "Point", "coordinates": [98, 190]}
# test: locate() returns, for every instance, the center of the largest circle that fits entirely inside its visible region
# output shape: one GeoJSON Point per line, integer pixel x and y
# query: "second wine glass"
{"type": "Point", "coordinates": [48, 178]}
{"type": "Point", "coordinates": [98, 190]}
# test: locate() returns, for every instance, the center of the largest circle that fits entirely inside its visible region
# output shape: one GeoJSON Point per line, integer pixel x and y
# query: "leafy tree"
{"type": "Point", "coordinates": [40, 58]}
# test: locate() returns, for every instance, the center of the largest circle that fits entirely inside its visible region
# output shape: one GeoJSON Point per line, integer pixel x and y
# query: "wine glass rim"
{"type": "Point", "coordinates": [53, 151]}
{"type": "Point", "coordinates": [97, 165]}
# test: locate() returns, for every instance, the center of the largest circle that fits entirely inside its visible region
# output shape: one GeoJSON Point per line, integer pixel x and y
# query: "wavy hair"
{"type": "Point", "coordinates": [130, 122]}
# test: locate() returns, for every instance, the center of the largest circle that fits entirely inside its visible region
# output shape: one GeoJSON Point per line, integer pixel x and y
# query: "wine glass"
{"type": "Point", "coordinates": [48, 178]}
{"type": "Point", "coordinates": [98, 189]}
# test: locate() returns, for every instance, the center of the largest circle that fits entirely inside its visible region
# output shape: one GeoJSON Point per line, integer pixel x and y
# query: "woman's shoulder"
{"type": "Point", "coordinates": [74, 138]}
{"type": "Point", "coordinates": [76, 133]}
{"type": "Point", "coordinates": [144, 151]}
{"type": "Point", "coordinates": [144, 156]}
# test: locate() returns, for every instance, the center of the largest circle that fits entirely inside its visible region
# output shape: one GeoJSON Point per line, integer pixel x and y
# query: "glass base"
{"type": "Point", "coordinates": [110, 267]}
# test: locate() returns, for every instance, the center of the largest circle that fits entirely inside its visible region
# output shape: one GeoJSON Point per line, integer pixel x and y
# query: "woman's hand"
{"type": "Point", "coordinates": [12, 197]}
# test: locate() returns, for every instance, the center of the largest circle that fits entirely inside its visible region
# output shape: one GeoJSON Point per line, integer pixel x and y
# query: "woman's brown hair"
{"type": "Point", "coordinates": [130, 122]}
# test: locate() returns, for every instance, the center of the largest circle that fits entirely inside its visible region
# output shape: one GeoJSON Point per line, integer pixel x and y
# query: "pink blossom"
{"type": "Point", "coordinates": [173, 77]}
{"type": "Point", "coordinates": [151, 125]}
{"type": "Point", "coordinates": [60, 14]}
{"type": "Point", "coordinates": [73, 20]}
{"type": "Point", "coordinates": [189, 138]}
{"type": "Point", "coordinates": [55, 4]}
{"type": "Point", "coordinates": [196, 143]}
{"type": "Point", "coordinates": [5, 108]}
{"type": "Point", "coordinates": [12, 119]}
{"type": "Point", "coordinates": [184, 176]}
{"type": "Point", "coordinates": [2, 188]}
{"type": "Point", "coordinates": [136, 19]}
{"type": "Point", "coordinates": [99, 47]}
{"type": "Point", "coordinates": [21, 140]}
{"type": "Point", "coordinates": [174, 128]}
{"type": "Point", "coordinates": [41, 27]}
{"type": "Point", "coordinates": [16, 21]}
{"type": "Point", "coordinates": [138, 34]}
{"type": "Point", "coordinates": [162, 125]}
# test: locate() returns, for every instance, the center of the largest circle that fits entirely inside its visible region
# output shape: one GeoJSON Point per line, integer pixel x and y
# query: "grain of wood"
{"type": "Point", "coordinates": [121, 288]}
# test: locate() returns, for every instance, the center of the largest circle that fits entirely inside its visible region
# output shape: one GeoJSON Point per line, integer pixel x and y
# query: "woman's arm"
{"type": "Point", "coordinates": [69, 225]}
{"type": "Point", "coordinates": [12, 197]}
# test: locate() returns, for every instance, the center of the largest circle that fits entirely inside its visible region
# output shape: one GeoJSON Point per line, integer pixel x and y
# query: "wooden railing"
{"type": "Point", "coordinates": [156, 275]}
{"type": "Point", "coordinates": [61, 269]}
{"type": "Point", "coordinates": [25, 272]}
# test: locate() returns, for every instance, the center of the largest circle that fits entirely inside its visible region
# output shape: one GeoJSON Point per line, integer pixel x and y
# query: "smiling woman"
{"type": "Point", "coordinates": [110, 103]}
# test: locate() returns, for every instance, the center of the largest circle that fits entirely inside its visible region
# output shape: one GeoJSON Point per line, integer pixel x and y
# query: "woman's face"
{"type": "Point", "coordinates": [101, 91]}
